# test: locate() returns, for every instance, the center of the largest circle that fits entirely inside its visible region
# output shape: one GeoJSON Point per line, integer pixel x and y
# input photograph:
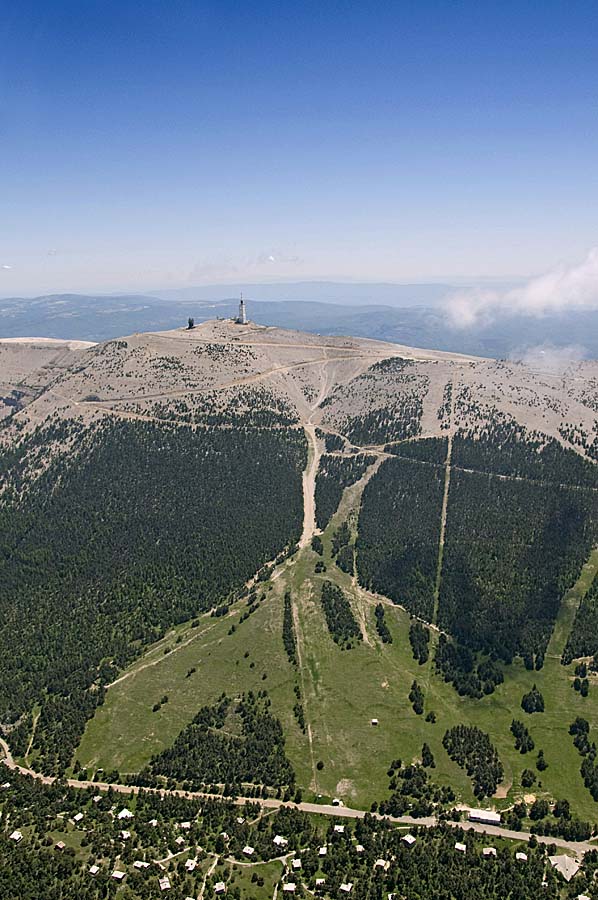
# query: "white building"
{"type": "Point", "coordinates": [461, 848]}
{"type": "Point", "coordinates": [489, 851]}
{"type": "Point", "coordinates": [521, 857]}
{"type": "Point", "coordinates": [487, 816]}
{"type": "Point", "coordinates": [408, 839]}
{"type": "Point", "coordinates": [93, 870]}
{"type": "Point", "coordinates": [164, 883]}
{"type": "Point", "coordinates": [118, 875]}
{"type": "Point", "coordinates": [290, 887]}
{"type": "Point", "coordinates": [16, 836]}
{"type": "Point", "coordinates": [248, 851]}
{"type": "Point", "coordinates": [125, 814]}
{"type": "Point", "coordinates": [220, 887]}
{"type": "Point", "coordinates": [347, 887]}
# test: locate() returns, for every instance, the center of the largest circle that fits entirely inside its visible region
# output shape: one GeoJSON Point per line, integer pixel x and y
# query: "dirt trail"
{"type": "Point", "coordinates": [309, 486]}
{"type": "Point", "coordinates": [313, 464]}
{"type": "Point", "coordinates": [32, 735]}
{"type": "Point", "coordinates": [299, 642]}
{"type": "Point", "coordinates": [445, 497]}
{"type": "Point", "coordinates": [206, 876]}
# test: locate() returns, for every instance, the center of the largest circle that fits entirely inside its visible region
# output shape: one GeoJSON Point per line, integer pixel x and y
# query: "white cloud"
{"type": "Point", "coordinates": [5, 267]}
{"type": "Point", "coordinates": [550, 359]}
{"type": "Point", "coordinates": [572, 287]}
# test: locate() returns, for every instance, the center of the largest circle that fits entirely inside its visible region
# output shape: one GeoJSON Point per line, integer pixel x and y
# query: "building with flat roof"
{"type": "Point", "coordinates": [487, 816]}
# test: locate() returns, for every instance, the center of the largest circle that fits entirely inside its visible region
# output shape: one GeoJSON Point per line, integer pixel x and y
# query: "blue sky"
{"type": "Point", "coordinates": [173, 143]}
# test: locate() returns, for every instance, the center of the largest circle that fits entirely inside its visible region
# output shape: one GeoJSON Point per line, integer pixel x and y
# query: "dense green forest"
{"type": "Point", "coordinates": [334, 475]}
{"type": "Point", "coordinates": [472, 749]}
{"type": "Point", "coordinates": [289, 638]}
{"type": "Point", "coordinates": [583, 639]}
{"type": "Point", "coordinates": [429, 450]}
{"type": "Point", "coordinates": [412, 790]}
{"type": "Point", "coordinates": [339, 616]}
{"type": "Point", "coordinates": [512, 548]}
{"type": "Point", "coordinates": [419, 638]}
{"type": "Point", "coordinates": [504, 447]}
{"type": "Point", "coordinates": [399, 531]}
{"type": "Point", "coordinates": [138, 528]}
{"type": "Point", "coordinates": [231, 742]}
{"type": "Point", "coordinates": [459, 666]}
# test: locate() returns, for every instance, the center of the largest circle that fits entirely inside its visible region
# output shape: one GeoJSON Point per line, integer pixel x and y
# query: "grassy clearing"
{"type": "Point", "coordinates": [241, 877]}
{"type": "Point", "coordinates": [125, 732]}
{"type": "Point", "coordinates": [343, 691]}
{"type": "Point", "coordinates": [570, 605]}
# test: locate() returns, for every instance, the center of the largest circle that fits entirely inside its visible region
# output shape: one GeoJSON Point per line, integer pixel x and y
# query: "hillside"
{"type": "Point", "coordinates": [362, 530]}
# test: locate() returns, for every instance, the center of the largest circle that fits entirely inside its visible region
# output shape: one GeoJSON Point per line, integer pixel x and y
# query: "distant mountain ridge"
{"type": "Point", "coordinates": [101, 317]}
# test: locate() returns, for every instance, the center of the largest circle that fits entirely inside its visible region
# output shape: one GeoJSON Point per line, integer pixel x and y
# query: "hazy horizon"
{"type": "Point", "coordinates": [214, 143]}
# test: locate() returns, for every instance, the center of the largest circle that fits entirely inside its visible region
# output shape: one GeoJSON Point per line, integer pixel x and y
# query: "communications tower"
{"type": "Point", "coordinates": [242, 317]}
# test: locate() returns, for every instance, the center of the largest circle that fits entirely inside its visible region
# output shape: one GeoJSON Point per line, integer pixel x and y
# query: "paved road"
{"type": "Point", "coordinates": [578, 847]}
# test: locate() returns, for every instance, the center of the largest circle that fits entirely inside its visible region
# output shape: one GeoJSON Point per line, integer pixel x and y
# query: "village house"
{"type": "Point", "coordinates": [566, 865]}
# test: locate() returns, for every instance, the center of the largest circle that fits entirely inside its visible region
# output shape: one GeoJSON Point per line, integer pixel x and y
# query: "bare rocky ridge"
{"type": "Point", "coordinates": [332, 382]}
